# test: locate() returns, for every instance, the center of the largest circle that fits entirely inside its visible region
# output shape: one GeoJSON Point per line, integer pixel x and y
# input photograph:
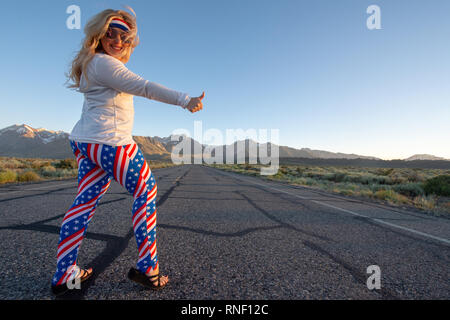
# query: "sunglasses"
{"type": "Point", "coordinates": [124, 37]}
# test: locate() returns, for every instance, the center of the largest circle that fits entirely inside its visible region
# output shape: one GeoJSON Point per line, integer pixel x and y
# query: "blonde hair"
{"type": "Point", "coordinates": [95, 30]}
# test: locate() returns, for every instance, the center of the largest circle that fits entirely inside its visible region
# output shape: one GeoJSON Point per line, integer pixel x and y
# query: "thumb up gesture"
{"type": "Point", "coordinates": [195, 104]}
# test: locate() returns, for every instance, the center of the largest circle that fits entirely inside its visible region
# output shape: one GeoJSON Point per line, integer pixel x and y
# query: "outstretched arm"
{"type": "Point", "coordinates": [112, 73]}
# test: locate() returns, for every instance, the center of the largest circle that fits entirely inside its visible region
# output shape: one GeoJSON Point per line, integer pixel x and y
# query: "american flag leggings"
{"type": "Point", "coordinates": [98, 164]}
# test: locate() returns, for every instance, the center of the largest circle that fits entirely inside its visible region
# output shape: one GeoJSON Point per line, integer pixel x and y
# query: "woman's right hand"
{"type": "Point", "coordinates": [195, 104]}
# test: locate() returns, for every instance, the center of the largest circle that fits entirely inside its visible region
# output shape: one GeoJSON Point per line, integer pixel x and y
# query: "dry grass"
{"type": "Point", "coordinates": [28, 170]}
{"type": "Point", "coordinates": [13, 170]}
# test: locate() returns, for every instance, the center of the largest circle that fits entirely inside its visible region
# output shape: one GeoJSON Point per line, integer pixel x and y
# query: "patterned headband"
{"type": "Point", "coordinates": [119, 23]}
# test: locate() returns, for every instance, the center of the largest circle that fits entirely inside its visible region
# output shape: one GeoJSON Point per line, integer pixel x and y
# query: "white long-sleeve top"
{"type": "Point", "coordinates": [108, 111]}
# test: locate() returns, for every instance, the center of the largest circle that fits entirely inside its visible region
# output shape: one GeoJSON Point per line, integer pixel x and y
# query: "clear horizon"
{"type": "Point", "coordinates": [311, 69]}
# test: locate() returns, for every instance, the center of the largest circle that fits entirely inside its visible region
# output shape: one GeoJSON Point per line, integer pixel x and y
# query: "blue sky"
{"type": "Point", "coordinates": [311, 69]}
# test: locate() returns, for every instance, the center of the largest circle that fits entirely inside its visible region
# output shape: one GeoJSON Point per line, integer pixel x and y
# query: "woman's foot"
{"type": "Point", "coordinates": [153, 275]}
{"type": "Point", "coordinates": [83, 275]}
{"type": "Point", "coordinates": [152, 280]}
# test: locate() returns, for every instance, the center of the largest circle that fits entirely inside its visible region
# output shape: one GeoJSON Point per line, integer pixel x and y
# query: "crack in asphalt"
{"type": "Point", "coordinates": [218, 234]}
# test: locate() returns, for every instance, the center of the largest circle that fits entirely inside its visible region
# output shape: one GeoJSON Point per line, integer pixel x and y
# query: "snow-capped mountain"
{"type": "Point", "coordinates": [44, 135]}
{"type": "Point", "coordinates": [25, 141]}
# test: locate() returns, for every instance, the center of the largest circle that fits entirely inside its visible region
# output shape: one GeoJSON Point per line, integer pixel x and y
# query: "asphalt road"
{"type": "Point", "coordinates": [223, 235]}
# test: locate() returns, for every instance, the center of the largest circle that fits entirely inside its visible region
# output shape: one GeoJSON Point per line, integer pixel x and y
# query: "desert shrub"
{"type": "Point", "coordinates": [69, 172]}
{"type": "Point", "coordinates": [363, 179]}
{"type": "Point", "coordinates": [413, 175]}
{"type": "Point", "coordinates": [439, 185]}
{"type": "Point", "coordinates": [11, 163]}
{"type": "Point", "coordinates": [38, 164]}
{"type": "Point", "coordinates": [368, 179]}
{"type": "Point", "coordinates": [251, 169]}
{"type": "Point", "coordinates": [299, 180]}
{"type": "Point", "coordinates": [278, 175]}
{"type": "Point", "coordinates": [311, 182]}
{"type": "Point", "coordinates": [377, 187]}
{"type": "Point", "coordinates": [335, 177]}
{"type": "Point", "coordinates": [27, 176]}
{"type": "Point", "coordinates": [425, 202]}
{"type": "Point", "coordinates": [284, 170]}
{"type": "Point", "coordinates": [63, 173]}
{"type": "Point", "coordinates": [346, 188]}
{"type": "Point", "coordinates": [347, 192]}
{"type": "Point", "coordinates": [391, 196]}
{"type": "Point", "coordinates": [366, 193]}
{"type": "Point", "coordinates": [48, 171]}
{"type": "Point", "coordinates": [314, 175]}
{"type": "Point", "coordinates": [398, 176]}
{"type": "Point", "coordinates": [66, 164]}
{"type": "Point", "coordinates": [8, 176]}
{"type": "Point", "coordinates": [305, 181]}
{"type": "Point", "coordinates": [340, 176]}
{"type": "Point", "coordinates": [409, 189]}
{"type": "Point", "coordinates": [384, 172]}
{"type": "Point", "coordinates": [381, 194]}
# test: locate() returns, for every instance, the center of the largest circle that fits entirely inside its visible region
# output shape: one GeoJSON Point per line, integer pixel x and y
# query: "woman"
{"type": "Point", "coordinates": [103, 146]}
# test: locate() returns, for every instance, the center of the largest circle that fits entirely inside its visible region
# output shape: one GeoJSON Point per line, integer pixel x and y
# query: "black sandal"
{"type": "Point", "coordinates": [63, 288]}
{"type": "Point", "coordinates": [144, 280]}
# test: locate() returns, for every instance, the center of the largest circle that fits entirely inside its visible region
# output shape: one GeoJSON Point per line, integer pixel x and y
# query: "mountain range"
{"type": "Point", "coordinates": [27, 142]}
